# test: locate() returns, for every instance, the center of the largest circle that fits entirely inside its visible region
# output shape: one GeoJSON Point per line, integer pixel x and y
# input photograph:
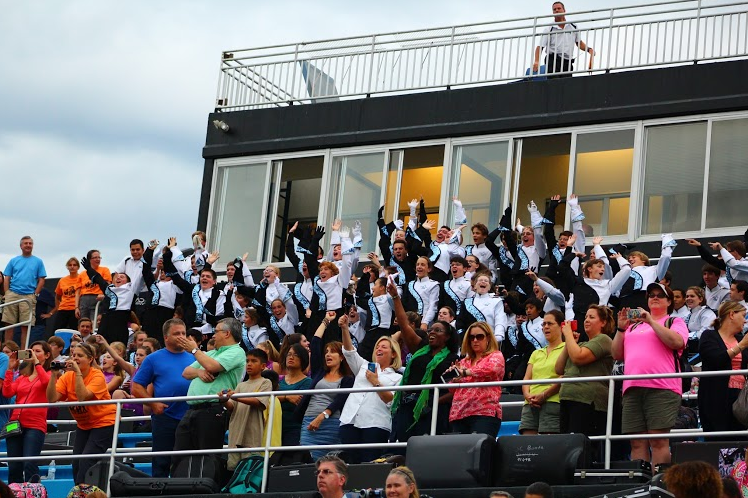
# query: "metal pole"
{"type": "Point", "coordinates": [610, 40]}
{"type": "Point", "coordinates": [609, 422]}
{"type": "Point", "coordinates": [451, 55]}
{"type": "Point", "coordinates": [696, 42]}
{"type": "Point", "coordinates": [371, 64]}
{"type": "Point", "coordinates": [434, 411]}
{"type": "Point", "coordinates": [268, 439]}
{"type": "Point", "coordinates": [293, 76]}
{"type": "Point", "coordinates": [96, 316]}
{"type": "Point", "coordinates": [115, 436]}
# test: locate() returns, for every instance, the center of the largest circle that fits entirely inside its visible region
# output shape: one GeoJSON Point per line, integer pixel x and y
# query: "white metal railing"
{"type": "Point", "coordinates": [25, 323]}
{"type": "Point", "coordinates": [266, 449]}
{"type": "Point", "coordinates": [630, 37]}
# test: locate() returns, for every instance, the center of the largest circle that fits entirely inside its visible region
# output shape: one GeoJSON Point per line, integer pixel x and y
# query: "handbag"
{"type": "Point", "coordinates": [10, 429]}
{"type": "Point", "coordinates": [740, 406]}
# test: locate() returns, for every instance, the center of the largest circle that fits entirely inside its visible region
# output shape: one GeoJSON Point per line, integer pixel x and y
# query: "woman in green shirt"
{"type": "Point", "coordinates": [584, 404]}
{"type": "Point", "coordinates": [541, 411]}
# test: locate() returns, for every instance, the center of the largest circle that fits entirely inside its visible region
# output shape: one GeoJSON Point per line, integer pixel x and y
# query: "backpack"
{"type": "Point", "coordinates": [247, 477]}
{"type": "Point", "coordinates": [28, 490]}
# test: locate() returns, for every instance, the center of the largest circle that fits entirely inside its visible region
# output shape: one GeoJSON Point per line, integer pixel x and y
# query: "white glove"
{"type": "Point", "coordinates": [196, 244]}
{"type": "Point", "coordinates": [572, 201]}
{"type": "Point", "coordinates": [536, 220]}
{"type": "Point", "coordinates": [457, 202]}
{"type": "Point", "coordinates": [412, 205]}
{"type": "Point", "coordinates": [668, 240]}
{"type": "Point", "coordinates": [399, 224]}
{"type": "Point", "coordinates": [532, 208]}
{"type": "Point", "coordinates": [356, 229]}
{"type": "Point", "coordinates": [345, 232]}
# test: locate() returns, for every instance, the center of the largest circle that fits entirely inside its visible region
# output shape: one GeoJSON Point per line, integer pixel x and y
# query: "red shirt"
{"type": "Point", "coordinates": [26, 391]}
{"type": "Point", "coordinates": [482, 401]}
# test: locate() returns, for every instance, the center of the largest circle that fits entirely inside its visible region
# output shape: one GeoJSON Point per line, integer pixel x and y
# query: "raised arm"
{"type": "Point", "coordinates": [93, 275]}
{"type": "Point", "coordinates": [123, 363]}
{"type": "Point", "coordinates": [412, 340]}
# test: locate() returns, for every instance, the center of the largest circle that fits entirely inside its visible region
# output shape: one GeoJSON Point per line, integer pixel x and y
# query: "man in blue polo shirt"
{"type": "Point", "coordinates": [24, 279]}
{"type": "Point", "coordinates": [164, 370]}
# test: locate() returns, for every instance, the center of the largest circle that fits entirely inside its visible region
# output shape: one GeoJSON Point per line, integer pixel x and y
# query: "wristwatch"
{"type": "Point", "coordinates": [324, 414]}
{"type": "Point", "coordinates": [194, 351]}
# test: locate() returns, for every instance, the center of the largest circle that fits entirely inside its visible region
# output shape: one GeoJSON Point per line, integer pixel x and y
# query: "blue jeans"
{"type": "Point", "coordinates": [27, 444]}
{"type": "Point", "coordinates": [163, 428]}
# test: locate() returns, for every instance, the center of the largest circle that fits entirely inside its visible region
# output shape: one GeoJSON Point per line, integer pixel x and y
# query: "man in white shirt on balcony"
{"type": "Point", "coordinates": [560, 43]}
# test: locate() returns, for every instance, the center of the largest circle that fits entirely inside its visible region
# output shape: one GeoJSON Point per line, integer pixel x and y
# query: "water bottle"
{"type": "Point", "coordinates": [52, 471]}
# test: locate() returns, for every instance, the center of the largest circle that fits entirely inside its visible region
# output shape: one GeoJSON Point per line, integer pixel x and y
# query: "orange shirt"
{"type": "Point", "coordinates": [66, 289]}
{"type": "Point", "coordinates": [91, 416]}
{"type": "Point", "coordinates": [90, 288]}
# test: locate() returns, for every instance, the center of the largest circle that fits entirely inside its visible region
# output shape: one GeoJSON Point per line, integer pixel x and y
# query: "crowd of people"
{"type": "Point", "coordinates": [427, 309]}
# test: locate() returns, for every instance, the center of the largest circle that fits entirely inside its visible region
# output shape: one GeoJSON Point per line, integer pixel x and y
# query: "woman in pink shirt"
{"type": "Point", "coordinates": [29, 387]}
{"type": "Point", "coordinates": [646, 344]}
{"type": "Point", "coordinates": [478, 409]}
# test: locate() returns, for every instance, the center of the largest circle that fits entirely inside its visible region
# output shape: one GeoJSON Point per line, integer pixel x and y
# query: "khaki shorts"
{"type": "Point", "coordinates": [18, 312]}
{"type": "Point", "coordinates": [646, 409]}
{"type": "Point", "coordinates": [545, 420]}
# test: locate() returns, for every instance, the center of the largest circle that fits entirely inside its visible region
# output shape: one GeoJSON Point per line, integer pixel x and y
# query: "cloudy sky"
{"type": "Point", "coordinates": [104, 105]}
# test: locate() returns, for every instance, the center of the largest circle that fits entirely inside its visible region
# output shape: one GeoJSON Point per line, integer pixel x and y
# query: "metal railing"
{"type": "Point", "coordinates": [113, 452]}
{"type": "Point", "coordinates": [624, 38]}
{"type": "Point", "coordinates": [25, 323]}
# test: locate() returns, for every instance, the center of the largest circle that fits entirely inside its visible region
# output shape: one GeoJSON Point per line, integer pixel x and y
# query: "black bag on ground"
{"type": "Point", "coordinates": [124, 484]}
{"type": "Point", "coordinates": [201, 466]}
{"type": "Point", "coordinates": [98, 473]}
{"type": "Point", "coordinates": [452, 460]}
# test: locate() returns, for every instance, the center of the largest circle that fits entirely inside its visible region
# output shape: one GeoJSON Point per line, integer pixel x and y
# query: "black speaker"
{"type": "Point", "coordinates": [452, 460]}
{"type": "Point", "coordinates": [551, 458]}
{"type": "Point", "coordinates": [291, 478]}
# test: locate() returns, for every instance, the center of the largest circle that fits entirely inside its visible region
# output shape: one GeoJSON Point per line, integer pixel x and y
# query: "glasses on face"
{"type": "Point", "coordinates": [548, 324]}
{"type": "Point", "coordinates": [477, 337]}
{"type": "Point", "coordinates": [655, 295]}
{"type": "Point", "coordinates": [292, 355]}
{"type": "Point", "coordinates": [324, 472]}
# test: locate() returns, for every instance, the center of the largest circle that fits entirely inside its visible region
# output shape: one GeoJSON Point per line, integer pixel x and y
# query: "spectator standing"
{"type": "Point", "coordinates": [321, 412]}
{"type": "Point", "coordinates": [24, 279]}
{"type": "Point", "coordinates": [163, 369]}
{"type": "Point", "coordinates": [478, 410]}
{"type": "Point", "coordinates": [294, 362]}
{"type": "Point", "coordinates": [67, 293]}
{"type": "Point", "coordinates": [84, 381]}
{"type": "Point", "coordinates": [247, 423]}
{"type": "Point", "coordinates": [29, 387]}
{"type": "Point", "coordinates": [204, 424]}
{"type": "Point", "coordinates": [649, 346]}
{"type": "Point", "coordinates": [720, 350]}
{"type": "Point", "coordinates": [560, 43]}
{"type": "Point", "coordinates": [91, 293]}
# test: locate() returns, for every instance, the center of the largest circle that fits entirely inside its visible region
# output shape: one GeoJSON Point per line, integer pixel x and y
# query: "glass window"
{"type": "Point", "coordinates": [728, 178]}
{"type": "Point", "coordinates": [359, 194]}
{"type": "Point", "coordinates": [421, 176]}
{"type": "Point", "coordinates": [674, 178]}
{"type": "Point", "coordinates": [239, 210]}
{"type": "Point", "coordinates": [297, 183]}
{"type": "Point", "coordinates": [480, 181]}
{"type": "Point", "coordinates": [602, 179]}
{"type": "Point", "coordinates": [544, 173]}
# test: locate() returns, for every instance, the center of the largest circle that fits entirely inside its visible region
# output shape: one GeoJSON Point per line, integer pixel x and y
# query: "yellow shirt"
{"type": "Point", "coordinates": [275, 436]}
{"type": "Point", "coordinates": [544, 367]}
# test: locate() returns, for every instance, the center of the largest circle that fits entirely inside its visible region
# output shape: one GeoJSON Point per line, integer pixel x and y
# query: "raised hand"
{"type": "Point", "coordinates": [556, 198]}
{"type": "Point", "coordinates": [716, 246]}
{"type": "Point", "coordinates": [153, 244]}
{"type": "Point", "coordinates": [336, 224]}
{"type": "Point", "coordinates": [693, 242]}
{"type": "Point", "coordinates": [399, 224]}
{"type": "Point", "coordinates": [532, 276]}
{"type": "Point", "coordinates": [572, 200]}
{"type": "Point", "coordinates": [428, 224]}
{"type": "Point", "coordinates": [532, 207]}
{"type": "Point", "coordinates": [597, 240]}
{"type": "Point", "coordinates": [294, 227]}
{"type": "Point", "coordinates": [356, 230]}
{"type": "Point", "coordinates": [212, 258]}
{"type": "Point", "coordinates": [457, 202]}
{"type": "Point", "coordinates": [391, 287]}
{"type": "Point", "coordinates": [345, 232]}
{"type": "Point", "coordinates": [413, 203]}
{"type": "Point", "coordinates": [85, 263]}
{"type": "Point", "coordinates": [319, 233]}
{"type": "Point", "coordinates": [173, 242]}
{"type": "Point", "coordinates": [380, 213]}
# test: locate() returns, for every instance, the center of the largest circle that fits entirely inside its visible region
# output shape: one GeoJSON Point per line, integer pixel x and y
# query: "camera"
{"type": "Point", "coordinates": [371, 493]}
{"type": "Point", "coordinates": [633, 314]}
{"type": "Point", "coordinates": [448, 377]}
{"type": "Point", "coordinates": [57, 365]}
{"type": "Point", "coordinates": [25, 354]}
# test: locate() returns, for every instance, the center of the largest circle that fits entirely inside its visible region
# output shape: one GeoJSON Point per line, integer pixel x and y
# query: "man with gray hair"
{"type": "Point", "coordinates": [24, 279]}
{"type": "Point", "coordinates": [332, 474]}
{"type": "Point", "coordinates": [204, 424]}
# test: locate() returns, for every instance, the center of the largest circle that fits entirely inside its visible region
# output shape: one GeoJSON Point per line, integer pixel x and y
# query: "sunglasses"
{"type": "Point", "coordinates": [656, 295]}
{"type": "Point", "coordinates": [477, 337]}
